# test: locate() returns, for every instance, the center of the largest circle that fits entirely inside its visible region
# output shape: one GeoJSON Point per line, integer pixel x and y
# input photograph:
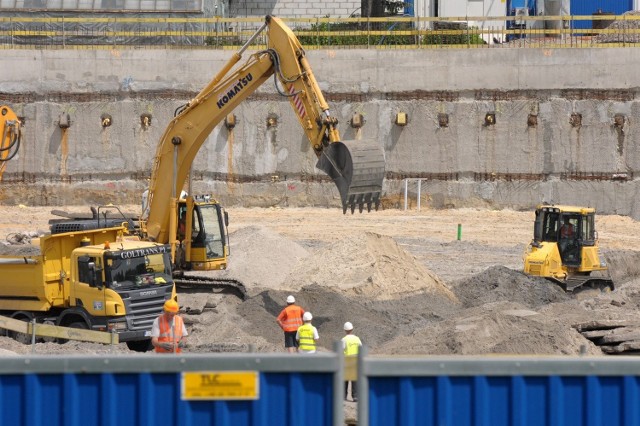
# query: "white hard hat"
{"type": "Point", "coordinates": [307, 316]}
{"type": "Point", "coordinates": [291, 299]}
{"type": "Point", "coordinates": [348, 326]}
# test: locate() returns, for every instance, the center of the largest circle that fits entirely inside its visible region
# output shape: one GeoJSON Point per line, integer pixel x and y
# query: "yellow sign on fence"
{"type": "Point", "coordinates": [211, 385]}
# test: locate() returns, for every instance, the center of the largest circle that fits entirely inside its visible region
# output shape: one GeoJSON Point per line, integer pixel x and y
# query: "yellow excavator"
{"type": "Point", "coordinates": [356, 167]}
{"type": "Point", "coordinates": [10, 136]}
{"type": "Point", "coordinates": [565, 249]}
{"type": "Point", "coordinates": [196, 227]}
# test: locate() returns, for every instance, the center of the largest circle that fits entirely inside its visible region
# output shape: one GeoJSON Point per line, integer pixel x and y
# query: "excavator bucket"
{"type": "Point", "coordinates": [357, 168]}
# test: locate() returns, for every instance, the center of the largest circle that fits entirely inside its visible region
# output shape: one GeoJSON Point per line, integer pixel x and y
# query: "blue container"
{"type": "Point", "coordinates": [590, 7]}
{"type": "Point", "coordinates": [147, 390]}
{"type": "Point", "coordinates": [500, 391]}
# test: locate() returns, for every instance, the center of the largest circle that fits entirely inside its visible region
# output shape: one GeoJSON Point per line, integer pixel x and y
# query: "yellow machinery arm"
{"type": "Point", "coordinates": [357, 167]}
{"type": "Point", "coordinates": [9, 136]}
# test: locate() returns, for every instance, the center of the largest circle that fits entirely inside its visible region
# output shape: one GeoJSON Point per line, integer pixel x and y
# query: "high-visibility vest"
{"type": "Point", "coordinates": [165, 332]}
{"type": "Point", "coordinates": [351, 344]}
{"type": "Point", "coordinates": [291, 317]}
{"type": "Point", "coordinates": [305, 337]}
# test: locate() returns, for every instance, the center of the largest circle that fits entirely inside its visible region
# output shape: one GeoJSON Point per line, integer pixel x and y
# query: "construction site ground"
{"type": "Point", "coordinates": [403, 278]}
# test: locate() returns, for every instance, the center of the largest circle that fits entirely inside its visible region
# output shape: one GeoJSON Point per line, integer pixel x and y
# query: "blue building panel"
{"type": "Point", "coordinates": [590, 7]}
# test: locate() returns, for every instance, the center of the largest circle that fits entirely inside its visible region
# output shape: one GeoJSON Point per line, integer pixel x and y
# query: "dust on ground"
{"type": "Point", "coordinates": [402, 278]}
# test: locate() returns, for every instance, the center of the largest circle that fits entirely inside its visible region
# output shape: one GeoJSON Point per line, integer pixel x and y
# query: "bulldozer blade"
{"type": "Point", "coordinates": [357, 168]}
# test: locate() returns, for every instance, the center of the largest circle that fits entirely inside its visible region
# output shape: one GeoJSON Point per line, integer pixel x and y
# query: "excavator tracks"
{"type": "Point", "coordinates": [195, 283]}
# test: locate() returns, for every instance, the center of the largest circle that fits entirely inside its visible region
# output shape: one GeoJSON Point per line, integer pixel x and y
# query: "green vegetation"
{"type": "Point", "coordinates": [469, 36]}
{"type": "Point", "coordinates": [340, 34]}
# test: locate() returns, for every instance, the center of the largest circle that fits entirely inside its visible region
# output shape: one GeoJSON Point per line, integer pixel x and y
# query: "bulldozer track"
{"type": "Point", "coordinates": [575, 284]}
{"type": "Point", "coordinates": [219, 285]}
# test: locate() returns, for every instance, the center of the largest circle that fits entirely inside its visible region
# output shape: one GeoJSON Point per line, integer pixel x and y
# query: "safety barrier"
{"type": "Point", "coordinates": [189, 389]}
{"type": "Point", "coordinates": [95, 31]}
{"type": "Point", "coordinates": [279, 389]}
{"type": "Point", "coordinates": [32, 330]}
{"type": "Point", "coordinates": [524, 391]}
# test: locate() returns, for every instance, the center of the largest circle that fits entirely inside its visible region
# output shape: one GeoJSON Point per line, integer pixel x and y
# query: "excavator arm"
{"type": "Point", "coordinates": [9, 136]}
{"type": "Point", "coordinates": [356, 167]}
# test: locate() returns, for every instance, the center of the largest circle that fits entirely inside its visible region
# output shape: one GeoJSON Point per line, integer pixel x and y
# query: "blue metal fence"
{"type": "Point", "coordinates": [535, 391]}
{"type": "Point", "coordinates": [303, 389]}
{"type": "Point", "coordinates": [150, 390]}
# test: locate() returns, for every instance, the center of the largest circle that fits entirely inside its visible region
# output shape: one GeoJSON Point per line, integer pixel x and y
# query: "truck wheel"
{"type": "Point", "coordinates": [140, 345]}
{"type": "Point", "coordinates": [78, 324]}
{"type": "Point", "coordinates": [23, 338]}
{"type": "Point", "coordinates": [49, 339]}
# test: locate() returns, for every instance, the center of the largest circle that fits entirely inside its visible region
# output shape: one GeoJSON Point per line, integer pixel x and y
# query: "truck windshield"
{"type": "Point", "coordinates": [140, 271]}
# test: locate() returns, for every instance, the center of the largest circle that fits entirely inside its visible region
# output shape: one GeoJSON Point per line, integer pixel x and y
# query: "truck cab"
{"type": "Point", "coordinates": [98, 279]}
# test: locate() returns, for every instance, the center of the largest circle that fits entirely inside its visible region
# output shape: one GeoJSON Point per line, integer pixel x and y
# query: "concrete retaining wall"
{"type": "Point", "coordinates": [468, 163]}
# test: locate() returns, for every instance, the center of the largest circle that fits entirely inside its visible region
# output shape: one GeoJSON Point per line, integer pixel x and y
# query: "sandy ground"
{"type": "Point", "coordinates": [403, 278]}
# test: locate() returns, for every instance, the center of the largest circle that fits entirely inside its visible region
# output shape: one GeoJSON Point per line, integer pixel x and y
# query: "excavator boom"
{"type": "Point", "coordinates": [357, 167]}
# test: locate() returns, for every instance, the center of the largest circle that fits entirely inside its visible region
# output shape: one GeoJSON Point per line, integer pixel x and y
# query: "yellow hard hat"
{"type": "Point", "coordinates": [171, 306]}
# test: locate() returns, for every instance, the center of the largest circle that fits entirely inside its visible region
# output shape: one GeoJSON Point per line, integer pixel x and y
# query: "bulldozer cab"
{"type": "Point", "coordinates": [570, 230]}
{"type": "Point", "coordinates": [565, 248]}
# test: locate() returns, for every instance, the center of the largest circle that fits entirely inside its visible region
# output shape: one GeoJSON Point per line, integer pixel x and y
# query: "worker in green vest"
{"type": "Point", "coordinates": [351, 346]}
{"type": "Point", "coordinates": [307, 335]}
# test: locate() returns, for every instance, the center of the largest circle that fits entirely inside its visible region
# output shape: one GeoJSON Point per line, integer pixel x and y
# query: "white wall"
{"type": "Point", "coordinates": [294, 8]}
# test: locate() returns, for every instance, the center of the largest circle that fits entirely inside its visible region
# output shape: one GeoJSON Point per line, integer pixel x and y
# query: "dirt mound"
{"type": "Point", "coordinates": [624, 265]}
{"type": "Point", "coordinates": [494, 328]}
{"type": "Point", "coordinates": [330, 311]}
{"type": "Point", "coordinates": [368, 265]}
{"type": "Point", "coordinates": [261, 258]}
{"type": "Point", "coordinates": [498, 283]}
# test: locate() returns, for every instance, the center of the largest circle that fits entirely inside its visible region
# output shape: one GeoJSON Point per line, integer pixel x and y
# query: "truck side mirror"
{"type": "Point", "coordinates": [226, 218]}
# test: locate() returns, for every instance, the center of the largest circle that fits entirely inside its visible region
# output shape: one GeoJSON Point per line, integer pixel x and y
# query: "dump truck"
{"type": "Point", "coordinates": [565, 249]}
{"type": "Point", "coordinates": [94, 277]}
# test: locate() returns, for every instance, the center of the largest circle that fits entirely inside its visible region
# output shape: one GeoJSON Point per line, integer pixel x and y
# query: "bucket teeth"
{"type": "Point", "coordinates": [357, 169]}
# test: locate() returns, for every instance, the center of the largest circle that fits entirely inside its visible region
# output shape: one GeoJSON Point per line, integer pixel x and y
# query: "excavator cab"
{"type": "Point", "coordinates": [202, 234]}
{"type": "Point", "coordinates": [565, 249]}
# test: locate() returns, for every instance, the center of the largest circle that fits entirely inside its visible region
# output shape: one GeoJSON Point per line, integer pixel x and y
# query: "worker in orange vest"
{"type": "Point", "coordinates": [168, 331]}
{"type": "Point", "coordinates": [289, 319]}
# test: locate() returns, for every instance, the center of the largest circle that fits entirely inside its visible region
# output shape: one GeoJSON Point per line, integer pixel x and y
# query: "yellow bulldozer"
{"type": "Point", "coordinates": [565, 249]}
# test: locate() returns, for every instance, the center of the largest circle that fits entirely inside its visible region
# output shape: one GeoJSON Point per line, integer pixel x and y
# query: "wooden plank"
{"type": "Point", "coordinates": [605, 324]}
{"type": "Point", "coordinates": [47, 330]}
{"type": "Point", "coordinates": [596, 334]}
{"type": "Point", "coordinates": [14, 325]}
{"type": "Point", "coordinates": [630, 335]}
{"type": "Point", "coordinates": [621, 348]}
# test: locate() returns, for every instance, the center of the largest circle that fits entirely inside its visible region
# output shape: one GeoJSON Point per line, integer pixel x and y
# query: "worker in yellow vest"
{"type": "Point", "coordinates": [351, 346]}
{"type": "Point", "coordinates": [307, 335]}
